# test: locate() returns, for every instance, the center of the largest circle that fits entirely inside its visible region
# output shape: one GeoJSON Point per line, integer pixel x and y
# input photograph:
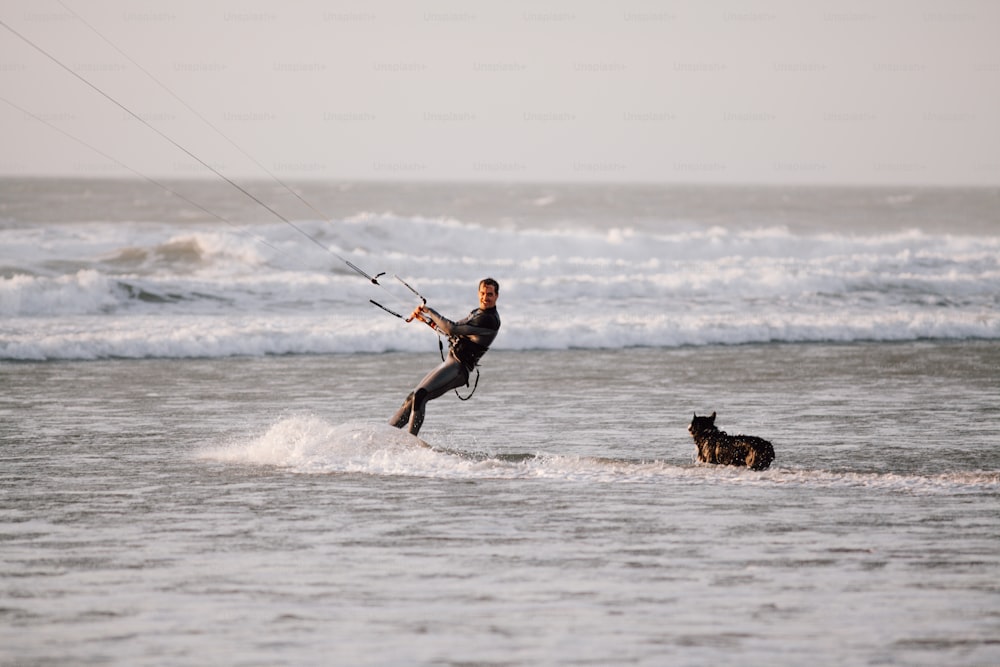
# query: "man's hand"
{"type": "Point", "coordinates": [418, 314]}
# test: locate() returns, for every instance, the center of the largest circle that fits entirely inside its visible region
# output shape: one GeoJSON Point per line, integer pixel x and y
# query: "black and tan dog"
{"type": "Point", "coordinates": [715, 446]}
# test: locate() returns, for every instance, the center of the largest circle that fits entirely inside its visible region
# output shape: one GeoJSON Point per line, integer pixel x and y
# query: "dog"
{"type": "Point", "coordinates": [715, 446]}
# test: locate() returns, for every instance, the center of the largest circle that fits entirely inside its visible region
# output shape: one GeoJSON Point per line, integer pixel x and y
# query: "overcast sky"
{"type": "Point", "coordinates": [831, 91]}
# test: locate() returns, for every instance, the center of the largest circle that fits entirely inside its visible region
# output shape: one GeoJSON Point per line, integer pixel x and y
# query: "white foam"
{"type": "Point", "coordinates": [90, 290]}
{"type": "Point", "coordinates": [86, 291]}
{"type": "Point", "coordinates": [311, 445]}
{"type": "Point", "coordinates": [308, 444]}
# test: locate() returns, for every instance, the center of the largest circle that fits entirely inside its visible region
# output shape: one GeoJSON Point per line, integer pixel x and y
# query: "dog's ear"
{"type": "Point", "coordinates": [713, 416]}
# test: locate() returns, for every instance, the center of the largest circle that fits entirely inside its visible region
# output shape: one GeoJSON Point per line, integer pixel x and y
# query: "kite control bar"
{"type": "Point", "coordinates": [420, 296]}
{"type": "Point", "coordinates": [423, 301]}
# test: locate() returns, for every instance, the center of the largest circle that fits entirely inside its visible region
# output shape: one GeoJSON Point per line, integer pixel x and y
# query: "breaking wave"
{"type": "Point", "coordinates": [94, 290]}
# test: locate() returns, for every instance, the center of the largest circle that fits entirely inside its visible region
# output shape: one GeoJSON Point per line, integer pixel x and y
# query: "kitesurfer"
{"type": "Point", "coordinates": [468, 340]}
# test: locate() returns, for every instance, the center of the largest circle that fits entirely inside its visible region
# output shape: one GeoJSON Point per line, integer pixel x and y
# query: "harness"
{"type": "Point", "coordinates": [474, 385]}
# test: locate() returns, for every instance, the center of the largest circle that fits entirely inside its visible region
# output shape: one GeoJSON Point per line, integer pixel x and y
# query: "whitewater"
{"type": "Point", "coordinates": [91, 289]}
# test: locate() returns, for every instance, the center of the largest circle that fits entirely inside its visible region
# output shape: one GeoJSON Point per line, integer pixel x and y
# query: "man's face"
{"type": "Point", "coordinates": [487, 296]}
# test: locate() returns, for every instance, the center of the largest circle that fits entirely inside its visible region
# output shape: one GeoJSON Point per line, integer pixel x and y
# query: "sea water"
{"type": "Point", "coordinates": [197, 467]}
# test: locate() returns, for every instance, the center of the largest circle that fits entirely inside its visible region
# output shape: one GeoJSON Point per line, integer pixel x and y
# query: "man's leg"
{"type": "Point", "coordinates": [449, 375]}
{"type": "Point", "coordinates": [402, 416]}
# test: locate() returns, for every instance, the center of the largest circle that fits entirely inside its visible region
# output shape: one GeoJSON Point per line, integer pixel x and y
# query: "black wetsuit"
{"type": "Point", "coordinates": [468, 339]}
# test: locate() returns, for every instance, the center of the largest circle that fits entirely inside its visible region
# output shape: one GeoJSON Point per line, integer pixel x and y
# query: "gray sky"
{"type": "Point", "coordinates": [831, 91]}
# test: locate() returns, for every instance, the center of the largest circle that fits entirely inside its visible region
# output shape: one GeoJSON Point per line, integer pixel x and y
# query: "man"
{"type": "Point", "coordinates": [468, 340]}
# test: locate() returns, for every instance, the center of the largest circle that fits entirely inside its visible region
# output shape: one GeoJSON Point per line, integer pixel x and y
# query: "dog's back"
{"type": "Point", "coordinates": [715, 446]}
{"type": "Point", "coordinates": [758, 452]}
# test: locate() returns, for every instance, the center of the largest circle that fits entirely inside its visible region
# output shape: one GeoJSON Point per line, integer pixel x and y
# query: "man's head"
{"type": "Point", "coordinates": [489, 289]}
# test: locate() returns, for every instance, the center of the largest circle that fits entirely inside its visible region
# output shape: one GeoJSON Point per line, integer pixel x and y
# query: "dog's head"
{"type": "Point", "coordinates": [702, 424]}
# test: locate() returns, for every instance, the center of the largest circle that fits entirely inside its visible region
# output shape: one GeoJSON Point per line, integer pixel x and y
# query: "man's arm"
{"type": "Point", "coordinates": [462, 328]}
{"type": "Point", "coordinates": [467, 327]}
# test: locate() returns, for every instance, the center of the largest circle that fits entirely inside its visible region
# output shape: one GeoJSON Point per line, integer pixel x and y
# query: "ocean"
{"type": "Point", "coordinates": [197, 467]}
